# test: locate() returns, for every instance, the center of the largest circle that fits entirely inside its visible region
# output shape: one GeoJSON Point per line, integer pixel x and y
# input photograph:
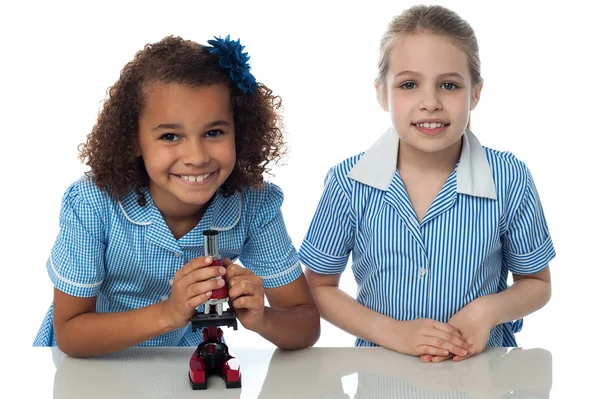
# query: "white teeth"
{"type": "Point", "coordinates": [428, 125]}
{"type": "Point", "coordinates": [195, 178]}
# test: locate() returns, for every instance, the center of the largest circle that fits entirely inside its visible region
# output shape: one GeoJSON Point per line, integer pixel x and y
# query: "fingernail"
{"type": "Point", "coordinates": [464, 352]}
{"type": "Point", "coordinates": [222, 270]}
{"type": "Point", "coordinates": [209, 293]}
{"type": "Point", "coordinates": [220, 282]}
{"type": "Point", "coordinates": [209, 260]}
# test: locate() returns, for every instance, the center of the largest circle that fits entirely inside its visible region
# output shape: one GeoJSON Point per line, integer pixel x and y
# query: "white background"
{"type": "Point", "coordinates": [540, 101]}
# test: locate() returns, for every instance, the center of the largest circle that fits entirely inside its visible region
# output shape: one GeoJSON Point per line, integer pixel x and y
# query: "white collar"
{"type": "Point", "coordinates": [377, 166]}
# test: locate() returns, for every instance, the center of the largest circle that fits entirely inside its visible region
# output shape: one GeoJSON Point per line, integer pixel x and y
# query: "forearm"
{"type": "Point", "coordinates": [92, 334]}
{"type": "Point", "coordinates": [345, 312]}
{"type": "Point", "coordinates": [523, 297]}
{"type": "Point", "coordinates": [296, 327]}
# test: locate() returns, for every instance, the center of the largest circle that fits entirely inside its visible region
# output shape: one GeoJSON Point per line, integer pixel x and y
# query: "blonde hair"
{"type": "Point", "coordinates": [434, 19]}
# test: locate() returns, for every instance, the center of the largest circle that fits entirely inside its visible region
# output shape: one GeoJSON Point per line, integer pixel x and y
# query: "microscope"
{"type": "Point", "coordinates": [212, 355]}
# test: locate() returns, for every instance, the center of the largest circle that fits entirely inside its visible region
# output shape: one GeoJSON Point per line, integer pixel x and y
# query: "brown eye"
{"type": "Point", "coordinates": [169, 137]}
{"type": "Point", "coordinates": [214, 133]}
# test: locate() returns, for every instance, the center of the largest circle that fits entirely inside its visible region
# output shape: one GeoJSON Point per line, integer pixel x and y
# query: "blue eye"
{"type": "Point", "coordinates": [169, 137]}
{"type": "Point", "coordinates": [214, 133]}
{"type": "Point", "coordinates": [449, 86]}
{"type": "Point", "coordinates": [408, 85]}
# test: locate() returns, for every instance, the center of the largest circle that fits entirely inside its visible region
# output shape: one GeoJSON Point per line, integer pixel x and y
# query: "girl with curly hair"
{"type": "Point", "coordinates": [179, 147]}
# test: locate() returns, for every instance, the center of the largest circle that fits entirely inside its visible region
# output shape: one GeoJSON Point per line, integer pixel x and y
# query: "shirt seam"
{"type": "Point", "coordinates": [66, 280]}
{"type": "Point", "coordinates": [283, 273]}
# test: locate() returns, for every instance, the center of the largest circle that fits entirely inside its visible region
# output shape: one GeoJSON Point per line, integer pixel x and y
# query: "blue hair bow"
{"type": "Point", "coordinates": [234, 59]}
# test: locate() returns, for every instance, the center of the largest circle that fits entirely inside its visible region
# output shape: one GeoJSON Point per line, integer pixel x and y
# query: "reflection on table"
{"type": "Point", "coordinates": [310, 373]}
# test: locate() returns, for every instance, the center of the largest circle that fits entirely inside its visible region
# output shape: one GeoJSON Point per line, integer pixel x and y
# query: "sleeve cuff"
{"type": "Point", "coordinates": [320, 262]}
{"type": "Point", "coordinates": [282, 278]}
{"type": "Point", "coordinates": [531, 262]}
{"type": "Point", "coordinates": [69, 286]}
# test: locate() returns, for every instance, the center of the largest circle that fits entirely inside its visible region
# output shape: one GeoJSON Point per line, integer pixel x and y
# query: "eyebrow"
{"type": "Point", "coordinates": [444, 75]}
{"type": "Point", "coordinates": [173, 126]}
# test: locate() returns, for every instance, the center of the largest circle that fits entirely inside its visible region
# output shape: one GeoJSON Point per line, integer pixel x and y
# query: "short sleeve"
{"type": "Point", "coordinates": [269, 251]}
{"type": "Point", "coordinates": [76, 263]}
{"type": "Point", "coordinates": [527, 245]}
{"type": "Point", "coordinates": [329, 240]}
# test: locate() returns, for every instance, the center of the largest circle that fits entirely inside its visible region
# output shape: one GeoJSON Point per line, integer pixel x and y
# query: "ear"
{"type": "Point", "coordinates": [138, 151]}
{"type": "Point", "coordinates": [381, 96]}
{"type": "Point", "coordinates": [476, 95]}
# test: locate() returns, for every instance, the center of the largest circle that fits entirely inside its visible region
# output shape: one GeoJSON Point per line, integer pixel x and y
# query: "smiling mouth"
{"type": "Point", "coordinates": [194, 178]}
{"type": "Point", "coordinates": [430, 125]}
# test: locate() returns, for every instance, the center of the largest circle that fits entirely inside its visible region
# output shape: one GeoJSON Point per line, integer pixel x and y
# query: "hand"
{"type": "Point", "coordinates": [246, 295]}
{"type": "Point", "coordinates": [192, 286]}
{"type": "Point", "coordinates": [474, 325]}
{"type": "Point", "coordinates": [429, 337]}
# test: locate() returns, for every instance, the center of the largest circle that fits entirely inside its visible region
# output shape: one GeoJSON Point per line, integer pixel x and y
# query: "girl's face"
{"type": "Point", "coordinates": [187, 142]}
{"type": "Point", "coordinates": [428, 91]}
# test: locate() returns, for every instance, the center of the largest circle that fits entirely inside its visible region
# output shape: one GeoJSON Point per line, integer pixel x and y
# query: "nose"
{"type": "Point", "coordinates": [430, 100]}
{"type": "Point", "coordinates": [194, 153]}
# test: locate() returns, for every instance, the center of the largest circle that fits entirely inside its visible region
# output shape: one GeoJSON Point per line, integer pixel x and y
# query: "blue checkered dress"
{"type": "Point", "coordinates": [126, 256]}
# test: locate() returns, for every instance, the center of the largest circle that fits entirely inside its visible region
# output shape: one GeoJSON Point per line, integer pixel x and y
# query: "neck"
{"type": "Point", "coordinates": [443, 161]}
{"type": "Point", "coordinates": [174, 210]}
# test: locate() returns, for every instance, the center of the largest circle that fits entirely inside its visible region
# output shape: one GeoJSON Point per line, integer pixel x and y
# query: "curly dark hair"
{"type": "Point", "coordinates": [110, 149]}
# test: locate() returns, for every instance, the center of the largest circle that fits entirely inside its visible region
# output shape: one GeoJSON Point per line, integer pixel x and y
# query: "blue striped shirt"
{"type": "Point", "coordinates": [125, 255]}
{"type": "Point", "coordinates": [486, 221]}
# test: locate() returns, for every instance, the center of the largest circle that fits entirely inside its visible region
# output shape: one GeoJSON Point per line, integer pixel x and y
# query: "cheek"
{"type": "Point", "coordinates": [460, 106]}
{"type": "Point", "coordinates": [399, 105]}
{"type": "Point", "coordinates": [227, 155]}
{"type": "Point", "coordinates": [156, 161]}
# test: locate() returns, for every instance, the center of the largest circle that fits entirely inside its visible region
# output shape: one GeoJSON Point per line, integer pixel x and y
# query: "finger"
{"type": "Point", "coordinates": [470, 353]}
{"type": "Point", "coordinates": [204, 286]}
{"type": "Point", "coordinates": [432, 350]}
{"type": "Point", "coordinates": [448, 329]}
{"type": "Point", "coordinates": [197, 300]}
{"type": "Point", "coordinates": [244, 288]}
{"type": "Point", "coordinates": [442, 343]}
{"type": "Point", "coordinates": [234, 269]}
{"type": "Point", "coordinates": [239, 279]}
{"type": "Point", "coordinates": [247, 302]}
{"type": "Point", "coordinates": [203, 274]}
{"type": "Point", "coordinates": [449, 337]}
{"type": "Point", "coordinates": [426, 358]}
{"type": "Point", "coordinates": [194, 264]}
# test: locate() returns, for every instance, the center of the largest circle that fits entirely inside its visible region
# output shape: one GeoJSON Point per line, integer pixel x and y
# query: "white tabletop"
{"type": "Point", "coordinates": [268, 373]}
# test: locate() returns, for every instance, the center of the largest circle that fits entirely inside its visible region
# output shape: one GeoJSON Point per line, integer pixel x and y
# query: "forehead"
{"type": "Point", "coordinates": [172, 101]}
{"type": "Point", "coordinates": [428, 54]}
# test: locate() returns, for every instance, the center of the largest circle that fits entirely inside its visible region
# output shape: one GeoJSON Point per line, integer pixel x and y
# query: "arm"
{"type": "Point", "coordinates": [336, 306]}
{"type": "Point", "coordinates": [527, 294]}
{"type": "Point", "coordinates": [81, 332]}
{"type": "Point", "coordinates": [411, 337]}
{"type": "Point", "coordinates": [291, 321]}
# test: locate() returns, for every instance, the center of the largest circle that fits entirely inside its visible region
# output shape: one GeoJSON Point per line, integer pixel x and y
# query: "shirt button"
{"type": "Point", "coordinates": [163, 298]}
{"type": "Point", "coordinates": [422, 272]}
{"type": "Point", "coordinates": [177, 255]}
{"type": "Point", "coordinates": [171, 281]}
